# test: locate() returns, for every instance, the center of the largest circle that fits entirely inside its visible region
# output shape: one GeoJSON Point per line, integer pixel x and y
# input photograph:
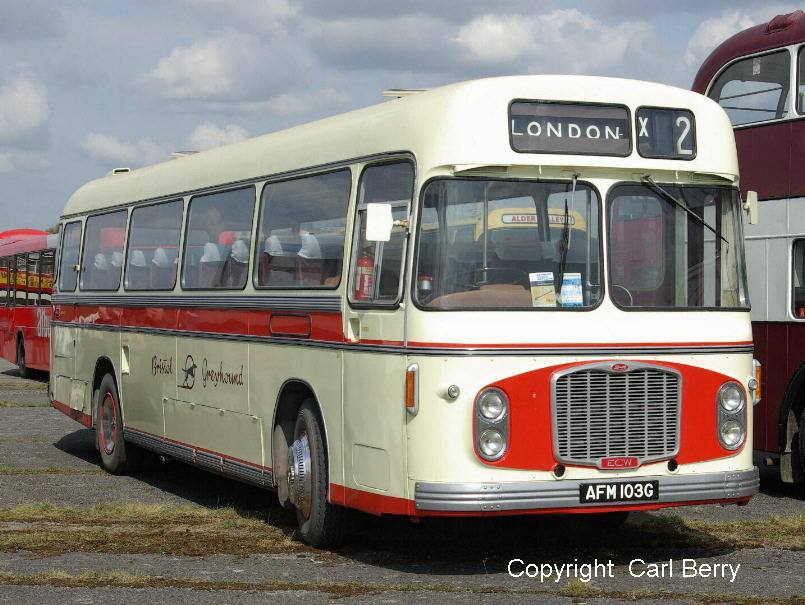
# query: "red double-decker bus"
{"type": "Point", "coordinates": [26, 285]}
{"type": "Point", "coordinates": [758, 77]}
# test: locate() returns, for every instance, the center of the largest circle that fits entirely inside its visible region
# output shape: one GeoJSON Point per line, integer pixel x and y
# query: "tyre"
{"type": "Point", "coordinates": [801, 441]}
{"type": "Point", "coordinates": [25, 372]}
{"type": "Point", "coordinates": [321, 524]}
{"type": "Point", "coordinates": [283, 436]}
{"type": "Point", "coordinates": [117, 457]}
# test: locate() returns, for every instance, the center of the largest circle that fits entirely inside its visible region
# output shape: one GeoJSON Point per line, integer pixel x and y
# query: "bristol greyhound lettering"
{"type": "Point", "coordinates": [218, 376]}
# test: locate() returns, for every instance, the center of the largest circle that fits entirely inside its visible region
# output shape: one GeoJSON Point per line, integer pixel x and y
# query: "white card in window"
{"type": "Point", "coordinates": [543, 293]}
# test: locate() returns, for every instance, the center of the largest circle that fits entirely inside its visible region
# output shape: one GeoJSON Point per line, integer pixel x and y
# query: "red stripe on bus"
{"type": "Point", "coordinates": [369, 502]}
{"type": "Point", "coordinates": [78, 415]}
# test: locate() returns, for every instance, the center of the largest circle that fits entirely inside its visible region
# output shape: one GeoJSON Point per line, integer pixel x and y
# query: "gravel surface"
{"type": "Point", "coordinates": [469, 555]}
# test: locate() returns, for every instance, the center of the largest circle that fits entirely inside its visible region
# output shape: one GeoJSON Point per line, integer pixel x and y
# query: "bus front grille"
{"type": "Point", "coordinates": [607, 410]}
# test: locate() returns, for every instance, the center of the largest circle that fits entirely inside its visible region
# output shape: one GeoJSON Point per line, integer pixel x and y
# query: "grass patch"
{"type": "Point", "coordinates": [143, 528]}
{"type": "Point", "coordinates": [351, 589]}
{"type": "Point", "coordinates": [14, 404]}
{"type": "Point", "coordinates": [25, 386]}
{"type": "Point", "coordinates": [51, 470]}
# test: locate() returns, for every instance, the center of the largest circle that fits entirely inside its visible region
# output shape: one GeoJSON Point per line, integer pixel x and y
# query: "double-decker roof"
{"type": "Point", "coordinates": [455, 127]}
{"type": "Point", "coordinates": [780, 31]}
{"type": "Point", "coordinates": [19, 241]}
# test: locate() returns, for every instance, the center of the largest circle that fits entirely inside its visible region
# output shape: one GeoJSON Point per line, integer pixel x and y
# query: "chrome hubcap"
{"type": "Point", "coordinates": [108, 423]}
{"type": "Point", "coordinates": [299, 475]}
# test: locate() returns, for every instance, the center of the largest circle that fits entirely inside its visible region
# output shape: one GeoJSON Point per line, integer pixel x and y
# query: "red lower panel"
{"type": "Point", "coordinates": [376, 504]}
{"type": "Point", "coordinates": [33, 323]}
{"type": "Point", "coordinates": [81, 417]}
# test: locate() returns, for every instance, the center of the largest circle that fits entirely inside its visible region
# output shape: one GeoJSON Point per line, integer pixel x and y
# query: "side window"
{"type": "Point", "coordinates": [798, 279]}
{"type": "Point", "coordinates": [377, 267]}
{"type": "Point", "coordinates": [102, 257]}
{"type": "Point", "coordinates": [33, 278]}
{"type": "Point", "coordinates": [21, 297]}
{"type": "Point", "coordinates": [153, 246]}
{"type": "Point", "coordinates": [3, 282]}
{"type": "Point", "coordinates": [301, 236]}
{"type": "Point", "coordinates": [754, 89]}
{"type": "Point", "coordinates": [218, 240]}
{"type": "Point", "coordinates": [801, 80]}
{"type": "Point", "coordinates": [45, 277]}
{"type": "Point", "coordinates": [71, 244]}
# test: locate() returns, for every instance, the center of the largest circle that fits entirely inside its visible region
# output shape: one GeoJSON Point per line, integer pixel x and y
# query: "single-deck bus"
{"type": "Point", "coordinates": [26, 285]}
{"type": "Point", "coordinates": [758, 76]}
{"type": "Point", "coordinates": [298, 311]}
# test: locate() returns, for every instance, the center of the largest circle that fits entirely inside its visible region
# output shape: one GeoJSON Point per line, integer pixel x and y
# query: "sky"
{"type": "Point", "coordinates": [88, 86]}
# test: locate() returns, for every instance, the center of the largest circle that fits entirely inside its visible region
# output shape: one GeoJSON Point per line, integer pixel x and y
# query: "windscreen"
{"type": "Point", "coordinates": [500, 244]}
{"type": "Point", "coordinates": [683, 253]}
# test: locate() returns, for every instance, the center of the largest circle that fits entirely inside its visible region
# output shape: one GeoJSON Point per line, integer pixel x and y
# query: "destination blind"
{"type": "Point", "coordinates": [572, 128]}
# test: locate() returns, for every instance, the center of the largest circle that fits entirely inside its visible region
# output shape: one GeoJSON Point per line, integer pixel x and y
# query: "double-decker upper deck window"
{"type": "Point", "coordinates": [153, 247]}
{"type": "Point", "coordinates": [300, 243]}
{"type": "Point", "coordinates": [377, 266]}
{"type": "Point", "coordinates": [218, 240]}
{"type": "Point", "coordinates": [102, 257]}
{"type": "Point", "coordinates": [754, 89]}
{"type": "Point", "coordinates": [495, 244]}
{"type": "Point", "coordinates": [685, 252]}
{"type": "Point", "coordinates": [71, 243]}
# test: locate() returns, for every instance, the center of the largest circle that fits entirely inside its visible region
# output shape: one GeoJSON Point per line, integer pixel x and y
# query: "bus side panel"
{"type": "Point", "coordinates": [63, 343]}
{"type": "Point", "coordinates": [375, 423]}
{"type": "Point", "coordinates": [150, 376]}
{"type": "Point", "coordinates": [270, 366]}
{"type": "Point", "coordinates": [92, 345]}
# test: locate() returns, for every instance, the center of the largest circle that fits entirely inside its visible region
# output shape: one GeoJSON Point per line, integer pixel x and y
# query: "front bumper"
{"type": "Point", "coordinates": [563, 494]}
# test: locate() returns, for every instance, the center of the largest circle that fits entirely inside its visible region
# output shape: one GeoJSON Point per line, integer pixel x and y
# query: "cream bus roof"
{"type": "Point", "coordinates": [462, 124]}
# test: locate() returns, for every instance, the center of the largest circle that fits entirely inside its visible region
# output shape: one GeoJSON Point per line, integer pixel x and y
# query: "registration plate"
{"type": "Point", "coordinates": [623, 491]}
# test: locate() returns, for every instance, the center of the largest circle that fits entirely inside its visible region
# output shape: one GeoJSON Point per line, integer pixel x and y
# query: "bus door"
{"type": "Point", "coordinates": [374, 440]}
{"type": "Point", "coordinates": [62, 369]}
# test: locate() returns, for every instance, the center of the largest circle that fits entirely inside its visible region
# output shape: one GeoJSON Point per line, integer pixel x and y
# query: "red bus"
{"type": "Point", "coordinates": [758, 77]}
{"type": "Point", "coordinates": [26, 285]}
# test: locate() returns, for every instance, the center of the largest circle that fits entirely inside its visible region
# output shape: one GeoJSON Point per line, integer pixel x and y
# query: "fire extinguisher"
{"type": "Point", "coordinates": [364, 284]}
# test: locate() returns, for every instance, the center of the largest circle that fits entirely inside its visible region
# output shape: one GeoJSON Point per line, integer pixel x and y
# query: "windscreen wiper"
{"type": "Point", "coordinates": [565, 241]}
{"type": "Point", "coordinates": [670, 198]}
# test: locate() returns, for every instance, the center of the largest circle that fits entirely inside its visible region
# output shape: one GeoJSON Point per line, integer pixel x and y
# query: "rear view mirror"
{"type": "Point", "coordinates": [750, 207]}
{"type": "Point", "coordinates": [378, 222]}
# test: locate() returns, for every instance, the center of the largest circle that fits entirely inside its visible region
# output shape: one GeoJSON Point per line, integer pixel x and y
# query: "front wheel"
{"type": "Point", "coordinates": [321, 524]}
{"type": "Point", "coordinates": [117, 457]}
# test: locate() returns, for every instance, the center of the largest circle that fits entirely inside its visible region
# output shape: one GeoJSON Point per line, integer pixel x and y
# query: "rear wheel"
{"type": "Point", "coordinates": [24, 371]}
{"type": "Point", "coordinates": [118, 457]}
{"type": "Point", "coordinates": [321, 524]}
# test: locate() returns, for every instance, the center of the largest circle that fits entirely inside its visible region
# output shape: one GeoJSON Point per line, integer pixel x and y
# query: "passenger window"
{"type": "Point", "coordinates": [153, 246]}
{"type": "Point", "coordinates": [3, 282]}
{"type": "Point", "coordinates": [33, 278]}
{"type": "Point", "coordinates": [71, 242]}
{"type": "Point", "coordinates": [801, 81]}
{"type": "Point", "coordinates": [21, 281]}
{"type": "Point", "coordinates": [798, 279]}
{"type": "Point", "coordinates": [754, 89]}
{"type": "Point", "coordinates": [45, 277]}
{"type": "Point", "coordinates": [218, 240]}
{"type": "Point", "coordinates": [301, 235]}
{"type": "Point", "coordinates": [377, 267]}
{"type": "Point", "coordinates": [102, 258]}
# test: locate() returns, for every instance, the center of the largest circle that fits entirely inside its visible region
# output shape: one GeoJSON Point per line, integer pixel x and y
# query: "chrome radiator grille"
{"type": "Point", "coordinates": [600, 413]}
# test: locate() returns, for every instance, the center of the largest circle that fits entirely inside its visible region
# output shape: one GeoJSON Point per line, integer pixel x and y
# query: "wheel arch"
{"type": "Point", "coordinates": [292, 393]}
{"type": "Point", "coordinates": [793, 403]}
{"type": "Point", "coordinates": [103, 366]}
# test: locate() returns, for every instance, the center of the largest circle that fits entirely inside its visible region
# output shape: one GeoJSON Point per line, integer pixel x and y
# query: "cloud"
{"type": "Point", "coordinates": [558, 41]}
{"type": "Point", "coordinates": [109, 149]}
{"type": "Point", "coordinates": [23, 104]}
{"type": "Point", "coordinates": [222, 73]}
{"type": "Point", "coordinates": [23, 160]}
{"type": "Point", "coordinates": [207, 135]}
{"type": "Point", "coordinates": [713, 32]}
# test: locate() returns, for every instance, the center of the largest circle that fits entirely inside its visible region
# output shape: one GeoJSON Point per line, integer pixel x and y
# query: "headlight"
{"type": "Point", "coordinates": [732, 434]}
{"type": "Point", "coordinates": [491, 443]}
{"type": "Point", "coordinates": [731, 397]}
{"type": "Point", "coordinates": [492, 404]}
